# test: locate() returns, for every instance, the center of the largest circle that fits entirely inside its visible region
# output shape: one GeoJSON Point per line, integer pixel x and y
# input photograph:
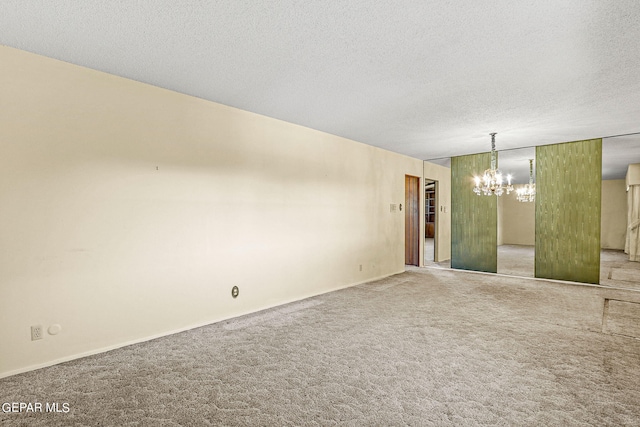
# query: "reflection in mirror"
{"type": "Point", "coordinates": [615, 267]}
{"type": "Point", "coordinates": [516, 220]}
{"type": "Point", "coordinates": [429, 220]}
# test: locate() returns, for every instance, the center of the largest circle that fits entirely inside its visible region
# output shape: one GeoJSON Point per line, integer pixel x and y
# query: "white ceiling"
{"type": "Point", "coordinates": [425, 78]}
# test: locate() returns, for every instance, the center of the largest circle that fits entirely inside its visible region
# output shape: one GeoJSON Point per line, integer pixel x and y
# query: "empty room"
{"type": "Point", "coordinates": [319, 213]}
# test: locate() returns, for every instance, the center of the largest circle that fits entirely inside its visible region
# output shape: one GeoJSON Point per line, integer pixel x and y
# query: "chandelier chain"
{"type": "Point", "coordinates": [492, 181]}
{"type": "Point", "coordinates": [527, 193]}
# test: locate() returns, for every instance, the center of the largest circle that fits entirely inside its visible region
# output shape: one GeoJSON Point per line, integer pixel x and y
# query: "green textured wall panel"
{"type": "Point", "coordinates": [568, 187]}
{"type": "Point", "coordinates": [474, 219]}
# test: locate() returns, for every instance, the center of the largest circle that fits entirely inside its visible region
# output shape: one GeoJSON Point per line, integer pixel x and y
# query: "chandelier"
{"type": "Point", "coordinates": [492, 181]}
{"type": "Point", "coordinates": [528, 192]}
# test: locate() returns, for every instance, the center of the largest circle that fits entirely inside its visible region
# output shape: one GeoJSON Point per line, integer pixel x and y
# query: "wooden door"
{"type": "Point", "coordinates": [411, 220]}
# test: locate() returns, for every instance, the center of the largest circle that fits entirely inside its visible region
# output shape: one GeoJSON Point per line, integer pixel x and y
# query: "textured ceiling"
{"type": "Point", "coordinates": [425, 78]}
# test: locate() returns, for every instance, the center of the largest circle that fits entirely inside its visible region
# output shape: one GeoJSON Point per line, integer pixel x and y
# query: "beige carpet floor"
{"type": "Point", "coordinates": [518, 260]}
{"type": "Point", "coordinates": [429, 347]}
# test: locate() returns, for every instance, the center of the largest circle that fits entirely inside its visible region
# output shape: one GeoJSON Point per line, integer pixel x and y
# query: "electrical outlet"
{"type": "Point", "coordinates": [360, 267]}
{"type": "Point", "coordinates": [36, 333]}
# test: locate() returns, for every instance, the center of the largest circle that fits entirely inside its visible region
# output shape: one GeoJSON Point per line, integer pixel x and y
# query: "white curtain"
{"type": "Point", "coordinates": [632, 244]}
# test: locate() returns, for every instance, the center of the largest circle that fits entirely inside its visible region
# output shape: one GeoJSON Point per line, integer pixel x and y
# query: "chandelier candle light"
{"type": "Point", "coordinates": [492, 181]}
{"type": "Point", "coordinates": [528, 192]}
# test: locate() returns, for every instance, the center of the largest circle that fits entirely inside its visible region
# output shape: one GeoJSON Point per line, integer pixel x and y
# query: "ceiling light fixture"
{"type": "Point", "coordinates": [527, 193]}
{"type": "Point", "coordinates": [491, 181]}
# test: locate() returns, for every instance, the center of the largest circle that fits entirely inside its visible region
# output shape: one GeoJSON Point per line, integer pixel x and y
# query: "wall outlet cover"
{"type": "Point", "coordinates": [36, 333]}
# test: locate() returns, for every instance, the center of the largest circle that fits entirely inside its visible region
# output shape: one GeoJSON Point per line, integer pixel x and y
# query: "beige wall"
{"type": "Point", "coordinates": [613, 226]}
{"type": "Point", "coordinates": [516, 221]}
{"type": "Point", "coordinates": [442, 175]}
{"type": "Point", "coordinates": [129, 211]}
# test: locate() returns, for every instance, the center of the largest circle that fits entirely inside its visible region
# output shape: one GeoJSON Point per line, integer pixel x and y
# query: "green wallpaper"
{"type": "Point", "coordinates": [568, 187]}
{"type": "Point", "coordinates": [474, 219]}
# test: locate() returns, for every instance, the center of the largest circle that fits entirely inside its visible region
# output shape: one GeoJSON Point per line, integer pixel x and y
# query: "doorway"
{"type": "Point", "coordinates": [412, 220]}
{"type": "Point", "coordinates": [430, 203]}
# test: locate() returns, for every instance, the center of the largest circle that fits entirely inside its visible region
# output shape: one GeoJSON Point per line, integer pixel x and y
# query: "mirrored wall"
{"type": "Point", "coordinates": [516, 219]}
{"type": "Point", "coordinates": [615, 268]}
